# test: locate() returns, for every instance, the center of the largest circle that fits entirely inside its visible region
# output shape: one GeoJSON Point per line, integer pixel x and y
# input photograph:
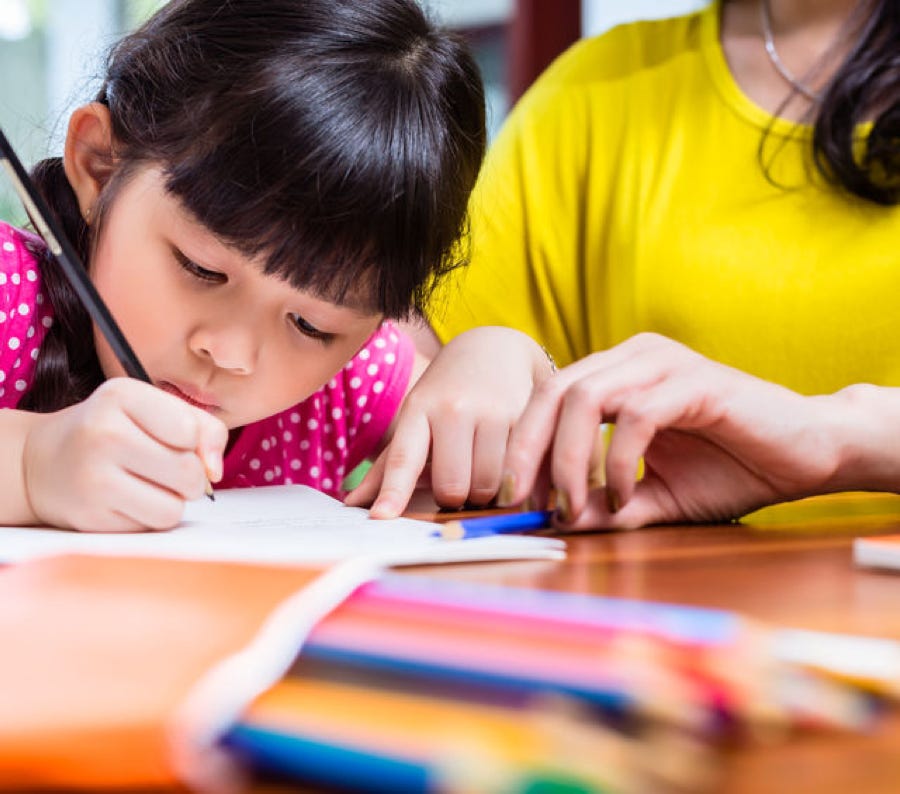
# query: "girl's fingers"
{"type": "Point", "coordinates": [178, 468]}
{"type": "Point", "coordinates": [168, 419]}
{"type": "Point", "coordinates": [452, 446]}
{"type": "Point", "coordinates": [404, 460]}
{"type": "Point", "coordinates": [489, 449]}
{"type": "Point", "coordinates": [146, 505]}
{"type": "Point", "coordinates": [364, 494]}
{"type": "Point", "coordinates": [182, 473]}
{"type": "Point", "coordinates": [128, 503]}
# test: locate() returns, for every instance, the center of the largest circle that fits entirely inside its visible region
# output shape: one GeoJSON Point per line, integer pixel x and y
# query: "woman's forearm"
{"type": "Point", "coordinates": [864, 421]}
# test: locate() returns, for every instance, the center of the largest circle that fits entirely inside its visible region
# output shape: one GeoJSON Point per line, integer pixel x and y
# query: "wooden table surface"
{"type": "Point", "coordinates": [791, 565]}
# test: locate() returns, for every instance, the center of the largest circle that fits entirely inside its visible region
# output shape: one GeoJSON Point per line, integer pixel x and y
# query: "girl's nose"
{"type": "Point", "coordinates": [232, 348]}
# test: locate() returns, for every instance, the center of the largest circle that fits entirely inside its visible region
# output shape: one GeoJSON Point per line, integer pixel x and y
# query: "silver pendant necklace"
{"type": "Point", "coordinates": [769, 42]}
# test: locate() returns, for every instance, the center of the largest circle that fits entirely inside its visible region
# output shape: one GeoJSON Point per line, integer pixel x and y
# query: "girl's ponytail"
{"type": "Point", "coordinates": [67, 370]}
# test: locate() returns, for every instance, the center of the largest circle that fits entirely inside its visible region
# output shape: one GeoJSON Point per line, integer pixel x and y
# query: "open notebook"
{"type": "Point", "coordinates": [283, 524]}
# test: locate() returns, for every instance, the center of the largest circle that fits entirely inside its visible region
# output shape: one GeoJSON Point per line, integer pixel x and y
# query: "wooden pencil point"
{"type": "Point", "coordinates": [453, 530]}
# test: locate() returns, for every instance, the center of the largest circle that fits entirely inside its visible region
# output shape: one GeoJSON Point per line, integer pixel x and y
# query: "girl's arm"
{"type": "Point", "coordinates": [15, 508]}
{"type": "Point", "coordinates": [456, 420]}
{"type": "Point", "coordinates": [716, 443]}
{"type": "Point", "coordinates": [423, 336]}
{"type": "Point", "coordinates": [421, 362]}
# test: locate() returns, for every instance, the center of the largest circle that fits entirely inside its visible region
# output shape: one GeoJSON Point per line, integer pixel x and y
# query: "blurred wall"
{"type": "Point", "coordinates": [600, 15]}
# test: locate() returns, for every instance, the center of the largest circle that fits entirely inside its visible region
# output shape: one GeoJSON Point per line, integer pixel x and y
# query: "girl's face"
{"type": "Point", "coordinates": [205, 321]}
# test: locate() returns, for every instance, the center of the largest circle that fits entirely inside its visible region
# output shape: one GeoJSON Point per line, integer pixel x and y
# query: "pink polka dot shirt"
{"type": "Point", "coordinates": [25, 313]}
{"type": "Point", "coordinates": [316, 442]}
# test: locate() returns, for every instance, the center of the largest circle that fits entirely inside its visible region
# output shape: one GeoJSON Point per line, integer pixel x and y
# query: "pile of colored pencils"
{"type": "Point", "coordinates": [426, 685]}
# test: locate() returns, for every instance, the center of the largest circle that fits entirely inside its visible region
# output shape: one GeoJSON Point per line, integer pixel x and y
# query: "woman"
{"type": "Point", "coordinates": [728, 179]}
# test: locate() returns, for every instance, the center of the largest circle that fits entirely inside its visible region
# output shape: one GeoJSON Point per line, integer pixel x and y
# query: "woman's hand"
{"type": "Point", "coordinates": [125, 459]}
{"type": "Point", "coordinates": [716, 443]}
{"type": "Point", "coordinates": [460, 411]}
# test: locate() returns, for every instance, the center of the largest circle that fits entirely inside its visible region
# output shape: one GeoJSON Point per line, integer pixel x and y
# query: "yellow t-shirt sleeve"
{"type": "Point", "coordinates": [528, 219]}
{"type": "Point", "coordinates": [636, 188]}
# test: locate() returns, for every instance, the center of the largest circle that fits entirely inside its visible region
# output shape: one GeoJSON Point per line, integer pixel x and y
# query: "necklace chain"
{"type": "Point", "coordinates": [769, 41]}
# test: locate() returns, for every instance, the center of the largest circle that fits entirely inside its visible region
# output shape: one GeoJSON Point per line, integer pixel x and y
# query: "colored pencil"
{"type": "Point", "coordinates": [500, 524]}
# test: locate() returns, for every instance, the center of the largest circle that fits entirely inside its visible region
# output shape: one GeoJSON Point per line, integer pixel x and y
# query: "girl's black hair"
{"type": "Point", "coordinates": [865, 88]}
{"type": "Point", "coordinates": [337, 139]}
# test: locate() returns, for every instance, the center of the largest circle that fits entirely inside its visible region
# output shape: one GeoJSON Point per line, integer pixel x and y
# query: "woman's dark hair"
{"type": "Point", "coordinates": [865, 88]}
{"type": "Point", "coordinates": [337, 139]}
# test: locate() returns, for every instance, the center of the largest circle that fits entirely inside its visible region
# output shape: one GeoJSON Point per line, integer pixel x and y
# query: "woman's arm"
{"type": "Point", "coordinates": [716, 443]}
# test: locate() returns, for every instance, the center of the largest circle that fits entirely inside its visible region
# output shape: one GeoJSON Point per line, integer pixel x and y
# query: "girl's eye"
{"type": "Point", "coordinates": [197, 271]}
{"type": "Point", "coordinates": [309, 330]}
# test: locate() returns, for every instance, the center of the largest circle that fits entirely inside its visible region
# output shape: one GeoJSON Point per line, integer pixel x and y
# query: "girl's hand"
{"type": "Point", "coordinates": [461, 410]}
{"type": "Point", "coordinates": [716, 442]}
{"type": "Point", "coordinates": [125, 459]}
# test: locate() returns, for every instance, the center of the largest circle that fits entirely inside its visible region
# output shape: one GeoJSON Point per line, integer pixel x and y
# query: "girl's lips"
{"type": "Point", "coordinates": [190, 395]}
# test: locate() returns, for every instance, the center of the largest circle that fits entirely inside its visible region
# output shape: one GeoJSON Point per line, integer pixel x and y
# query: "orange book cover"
{"type": "Point", "coordinates": [123, 672]}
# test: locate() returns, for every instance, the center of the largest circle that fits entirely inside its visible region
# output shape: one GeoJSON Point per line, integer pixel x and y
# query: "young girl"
{"type": "Point", "coordinates": [256, 188]}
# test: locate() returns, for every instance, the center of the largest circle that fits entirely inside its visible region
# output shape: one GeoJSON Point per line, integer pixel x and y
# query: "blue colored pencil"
{"type": "Point", "coordinates": [501, 524]}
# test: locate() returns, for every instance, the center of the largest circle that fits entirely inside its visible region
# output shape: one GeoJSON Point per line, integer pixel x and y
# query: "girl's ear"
{"type": "Point", "coordinates": [88, 157]}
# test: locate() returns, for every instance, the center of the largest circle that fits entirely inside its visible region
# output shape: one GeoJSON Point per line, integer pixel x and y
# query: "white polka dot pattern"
{"type": "Point", "coordinates": [318, 441]}
{"type": "Point", "coordinates": [24, 314]}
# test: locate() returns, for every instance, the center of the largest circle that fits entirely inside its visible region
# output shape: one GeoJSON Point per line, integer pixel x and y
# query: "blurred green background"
{"type": "Point", "coordinates": [51, 56]}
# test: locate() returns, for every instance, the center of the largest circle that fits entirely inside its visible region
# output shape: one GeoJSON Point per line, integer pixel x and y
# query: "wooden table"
{"type": "Point", "coordinates": [790, 565]}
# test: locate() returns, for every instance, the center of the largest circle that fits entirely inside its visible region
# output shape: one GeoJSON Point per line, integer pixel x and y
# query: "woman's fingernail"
{"type": "Point", "coordinates": [613, 502]}
{"type": "Point", "coordinates": [563, 506]}
{"type": "Point", "coordinates": [507, 490]}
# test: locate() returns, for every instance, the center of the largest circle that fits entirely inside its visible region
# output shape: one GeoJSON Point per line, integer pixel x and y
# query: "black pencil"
{"type": "Point", "coordinates": [62, 251]}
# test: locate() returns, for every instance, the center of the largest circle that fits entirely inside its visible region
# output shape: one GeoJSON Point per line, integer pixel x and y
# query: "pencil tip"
{"type": "Point", "coordinates": [209, 493]}
{"type": "Point", "coordinates": [453, 530]}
